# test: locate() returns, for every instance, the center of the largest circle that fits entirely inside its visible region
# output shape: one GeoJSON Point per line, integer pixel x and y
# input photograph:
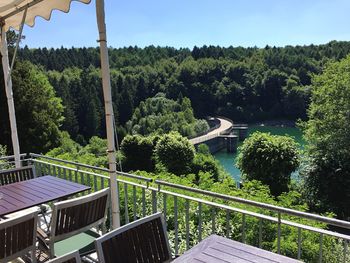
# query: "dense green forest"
{"type": "Point", "coordinates": [60, 90]}
{"type": "Point", "coordinates": [244, 84]}
{"type": "Point", "coordinates": [59, 108]}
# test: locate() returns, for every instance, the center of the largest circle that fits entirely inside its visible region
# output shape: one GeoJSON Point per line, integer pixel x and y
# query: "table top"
{"type": "Point", "coordinates": [216, 249]}
{"type": "Point", "coordinates": [40, 190]}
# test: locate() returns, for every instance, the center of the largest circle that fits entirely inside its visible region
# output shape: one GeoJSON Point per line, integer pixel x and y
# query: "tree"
{"type": "Point", "coordinates": [138, 152]}
{"type": "Point", "coordinates": [327, 174]}
{"type": "Point", "coordinates": [162, 115]}
{"type": "Point", "coordinates": [38, 110]}
{"type": "Point", "coordinates": [175, 153]}
{"type": "Point", "coordinates": [270, 159]}
{"type": "Point", "coordinates": [271, 93]}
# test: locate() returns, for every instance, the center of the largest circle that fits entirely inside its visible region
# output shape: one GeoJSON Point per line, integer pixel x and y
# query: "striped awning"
{"type": "Point", "coordinates": [11, 11]}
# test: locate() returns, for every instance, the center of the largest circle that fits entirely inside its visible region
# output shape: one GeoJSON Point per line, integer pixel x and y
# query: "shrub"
{"type": "Point", "coordinates": [138, 153]}
{"type": "Point", "coordinates": [175, 153]}
{"type": "Point", "coordinates": [270, 159]}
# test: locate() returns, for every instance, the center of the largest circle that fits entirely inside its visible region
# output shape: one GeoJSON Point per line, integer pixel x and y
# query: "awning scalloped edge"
{"type": "Point", "coordinates": [42, 9]}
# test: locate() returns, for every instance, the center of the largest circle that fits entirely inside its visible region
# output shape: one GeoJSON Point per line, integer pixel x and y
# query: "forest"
{"type": "Point", "coordinates": [243, 84]}
{"type": "Point", "coordinates": [161, 96]}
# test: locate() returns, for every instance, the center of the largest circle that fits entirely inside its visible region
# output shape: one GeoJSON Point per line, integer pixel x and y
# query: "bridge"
{"type": "Point", "coordinates": [224, 134]}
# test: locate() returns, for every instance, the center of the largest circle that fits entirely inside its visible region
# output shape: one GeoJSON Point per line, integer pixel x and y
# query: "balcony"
{"type": "Point", "coordinates": [192, 214]}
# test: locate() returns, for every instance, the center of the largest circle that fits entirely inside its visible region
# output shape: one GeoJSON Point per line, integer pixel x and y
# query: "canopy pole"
{"type": "Point", "coordinates": [9, 95]}
{"type": "Point", "coordinates": [18, 39]}
{"type": "Point", "coordinates": [107, 94]}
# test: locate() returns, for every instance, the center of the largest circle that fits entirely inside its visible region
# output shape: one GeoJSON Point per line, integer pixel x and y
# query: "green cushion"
{"type": "Point", "coordinates": [83, 242]}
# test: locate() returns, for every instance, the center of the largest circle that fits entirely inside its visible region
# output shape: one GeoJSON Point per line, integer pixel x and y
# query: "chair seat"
{"type": "Point", "coordinates": [83, 242]}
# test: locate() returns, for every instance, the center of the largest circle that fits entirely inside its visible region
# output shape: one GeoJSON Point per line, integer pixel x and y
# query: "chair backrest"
{"type": "Point", "coordinates": [72, 257]}
{"type": "Point", "coordinates": [144, 240]}
{"type": "Point", "coordinates": [17, 175]}
{"type": "Point", "coordinates": [75, 216]}
{"type": "Point", "coordinates": [18, 236]}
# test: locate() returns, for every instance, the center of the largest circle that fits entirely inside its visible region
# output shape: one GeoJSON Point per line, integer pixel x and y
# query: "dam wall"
{"type": "Point", "coordinates": [223, 135]}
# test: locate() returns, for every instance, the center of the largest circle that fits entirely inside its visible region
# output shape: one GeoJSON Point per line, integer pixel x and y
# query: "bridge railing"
{"type": "Point", "coordinates": [202, 139]}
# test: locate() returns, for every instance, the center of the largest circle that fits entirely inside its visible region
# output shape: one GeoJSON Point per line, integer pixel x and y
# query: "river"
{"type": "Point", "coordinates": [227, 160]}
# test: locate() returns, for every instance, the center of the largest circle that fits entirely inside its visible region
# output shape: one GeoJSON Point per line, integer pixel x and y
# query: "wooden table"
{"type": "Point", "coordinates": [40, 190]}
{"type": "Point", "coordinates": [215, 249]}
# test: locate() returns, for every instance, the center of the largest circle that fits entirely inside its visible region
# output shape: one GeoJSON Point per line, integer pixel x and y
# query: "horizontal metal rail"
{"type": "Point", "coordinates": [9, 157]}
{"type": "Point", "coordinates": [133, 176]}
{"type": "Point", "coordinates": [34, 155]}
{"type": "Point", "coordinates": [257, 215]}
{"type": "Point", "coordinates": [323, 219]}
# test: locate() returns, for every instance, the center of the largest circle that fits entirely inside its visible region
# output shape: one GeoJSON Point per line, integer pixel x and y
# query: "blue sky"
{"type": "Point", "coordinates": [186, 23]}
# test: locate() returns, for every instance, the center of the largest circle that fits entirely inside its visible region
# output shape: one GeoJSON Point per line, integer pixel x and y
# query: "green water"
{"type": "Point", "coordinates": [227, 160]}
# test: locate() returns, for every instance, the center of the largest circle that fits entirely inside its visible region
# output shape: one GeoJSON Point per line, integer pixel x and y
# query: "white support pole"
{"type": "Point", "coordinates": [106, 83]}
{"type": "Point", "coordinates": [9, 95]}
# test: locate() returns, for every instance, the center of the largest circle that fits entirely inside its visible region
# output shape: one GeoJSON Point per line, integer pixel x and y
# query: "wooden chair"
{"type": "Point", "coordinates": [18, 237]}
{"type": "Point", "coordinates": [144, 240]}
{"type": "Point", "coordinates": [17, 175]}
{"type": "Point", "coordinates": [71, 224]}
{"type": "Point", "coordinates": [72, 257]}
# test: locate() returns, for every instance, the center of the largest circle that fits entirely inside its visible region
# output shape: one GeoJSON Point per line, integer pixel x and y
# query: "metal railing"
{"type": "Point", "coordinates": [9, 161]}
{"type": "Point", "coordinates": [192, 214]}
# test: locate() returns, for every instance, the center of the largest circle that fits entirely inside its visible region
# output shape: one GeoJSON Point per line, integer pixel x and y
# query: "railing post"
{"type": "Point", "coordinates": [89, 182]}
{"type": "Point", "coordinates": [299, 242]}
{"type": "Point", "coordinates": [154, 201]}
{"type": "Point", "coordinates": [176, 227]}
{"type": "Point", "coordinates": [279, 234]}
{"type": "Point", "coordinates": [187, 221]}
{"type": "Point", "coordinates": [321, 248]}
{"type": "Point", "coordinates": [143, 202]}
{"type": "Point", "coordinates": [213, 227]}
{"type": "Point", "coordinates": [243, 228]}
{"type": "Point", "coordinates": [76, 173]}
{"type": "Point", "coordinates": [39, 169]}
{"type": "Point", "coordinates": [199, 222]}
{"type": "Point", "coordinates": [227, 223]}
{"type": "Point", "coordinates": [165, 206]}
{"type": "Point", "coordinates": [345, 250]}
{"type": "Point", "coordinates": [134, 202]}
{"type": "Point", "coordinates": [126, 208]}
{"type": "Point", "coordinates": [65, 174]}
{"type": "Point", "coordinates": [59, 172]}
{"type": "Point", "coordinates": [260, 232]}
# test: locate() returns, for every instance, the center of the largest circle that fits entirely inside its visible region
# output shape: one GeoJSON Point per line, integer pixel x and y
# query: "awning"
{"type": "Point", "coordinates": [12, 11]}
